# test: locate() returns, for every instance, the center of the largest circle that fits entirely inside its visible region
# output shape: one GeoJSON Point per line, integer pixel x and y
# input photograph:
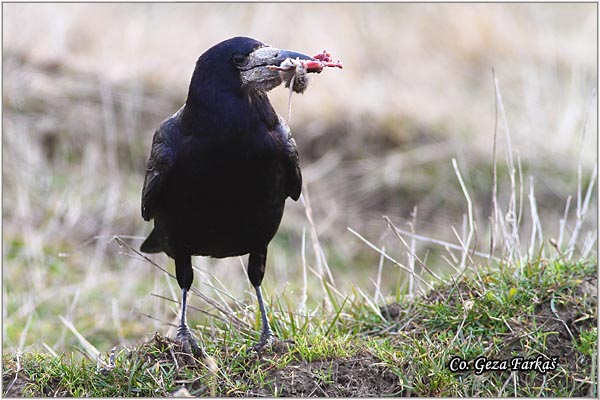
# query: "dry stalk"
{"type": "Point", "coordinates": [397, 263]}
{"type": "Point", "coordinates": [536, 226]}
{"type": "Point", "coordinates": [414, 256]}
{"type": "Point", "coordinates": [467, 242]}
{"type": "Point", "coordinates": [494, 216]}
{"type": "Point", "coordinates": [322, 265]}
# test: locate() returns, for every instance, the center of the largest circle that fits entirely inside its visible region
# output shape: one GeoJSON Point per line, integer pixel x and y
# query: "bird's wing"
{"type": "Point", "coordinates": [159, 165]}
{"type": "Point", "coordinates": [293, 175]}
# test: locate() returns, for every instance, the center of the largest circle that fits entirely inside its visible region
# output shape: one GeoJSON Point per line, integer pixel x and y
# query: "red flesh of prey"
{"type": "Point", "coordinates": [321, 61]}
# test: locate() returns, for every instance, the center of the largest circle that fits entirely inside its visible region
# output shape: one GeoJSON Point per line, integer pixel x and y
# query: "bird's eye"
{"type": "Point", "coordinates": [239, 59]}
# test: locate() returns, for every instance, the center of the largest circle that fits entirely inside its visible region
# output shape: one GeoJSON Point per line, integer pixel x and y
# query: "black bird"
{"type": "Point", "coordinates": [221, 168]}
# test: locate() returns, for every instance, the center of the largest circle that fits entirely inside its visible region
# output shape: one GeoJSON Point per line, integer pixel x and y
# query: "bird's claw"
{"type": "Point", "coordinates": [190, 345]}
{"type": "Point", "coordinates": [266, 340]}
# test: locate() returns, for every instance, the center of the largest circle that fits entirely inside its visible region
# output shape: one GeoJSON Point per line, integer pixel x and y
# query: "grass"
{"type": "Point", "coordinates": [546, 311]}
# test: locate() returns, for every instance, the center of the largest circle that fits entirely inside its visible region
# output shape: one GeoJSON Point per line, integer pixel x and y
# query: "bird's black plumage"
{"type": "Point", "coordinates": [221, 168]}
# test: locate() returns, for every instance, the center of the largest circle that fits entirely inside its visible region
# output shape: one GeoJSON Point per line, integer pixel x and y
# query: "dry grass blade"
{"type": "Point", "coordinates": [218, 306]}
{"type": "Point", "coordinates": [581, 212]}
{"type": "Point", "coordinates": [520, 170]}
{"type": "Point", "coordinates": [378, 294]}
{"type": "Point", "coordinates": [397, 263]}
{"type": "Point", "coordinates": [304, 297]}
{"type": "Point", "coordinates": [23, 335]}
{"type": "Point", "coordinates": [91, 351]}
{"type": "Point", "coordinates": [536, 225]}
{"type": "Point", "coordinates": [328, 286]}
{"type": "Point", "coordinates": [467, 242]}
{"type": "Point", "coordinates": [494, 208]}
{"type": "Point", "coordinates": [322, 264]}
{"type": "Point", "coordinates": [421, 263]}
{"type": "Point", "coordinates": [579, 158]}
{"type": "Point", "coordinates": [161, 321]}
{"type": "Point", "coordinates": [462, 270]}
{"type": "Point", "coordinates": [117, 320]}
{"type": "Point", "coordinates": [589, 244]}
{"type": "Point", "coordinates": [441, 243]}
{"type": "Point", "coordinates": [239, 323]}
{"type": "Point", "coordinates": [142, 256]}
{"type": "Point", "coordinates": [221, 290]}
{"type": "Point", "coordinates": [413, 250]}
{"type": "Point", "coordinates": [50, 350]}
{"type": "Point", "coordinates": [17, 371]}
{"type": "Point", "coordinates": [509, 222]}
{"type": "Point", "coordinates": [562, 224]}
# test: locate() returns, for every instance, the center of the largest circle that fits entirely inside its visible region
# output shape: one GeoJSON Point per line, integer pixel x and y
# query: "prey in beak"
{"type": "Point", "coordinates": [262, 69]}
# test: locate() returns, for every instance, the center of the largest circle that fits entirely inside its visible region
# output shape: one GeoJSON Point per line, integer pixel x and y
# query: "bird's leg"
{"type": "Point", "coordinates": [184, 335]}
{"type": "Point", "coordinates": [185, 277]}
{"type": "Point", "coordinates": [256, 272]}
{"type": "Point", "coordinates": [266, 334]}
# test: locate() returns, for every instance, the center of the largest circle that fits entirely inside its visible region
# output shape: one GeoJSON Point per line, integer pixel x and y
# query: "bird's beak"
{"type": "Point", "coordinates": [282, 55]}
{"type": "Point", "coordinates": [258, 72]}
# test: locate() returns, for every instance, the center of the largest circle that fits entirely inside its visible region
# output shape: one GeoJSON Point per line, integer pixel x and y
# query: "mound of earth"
{"type": "Point", "coordinates": [360, 376]}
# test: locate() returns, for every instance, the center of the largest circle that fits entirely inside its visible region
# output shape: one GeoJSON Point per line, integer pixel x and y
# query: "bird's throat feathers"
{"type": "Point", "coordinates": [245, 111]}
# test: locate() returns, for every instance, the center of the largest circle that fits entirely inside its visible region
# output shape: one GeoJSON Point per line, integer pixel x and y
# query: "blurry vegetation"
{"type": "Point", "coordinates": [85, 85]}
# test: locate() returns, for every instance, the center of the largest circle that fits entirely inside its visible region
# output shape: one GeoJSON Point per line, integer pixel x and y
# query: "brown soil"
{"type": "Point", "coordinates": [360, 376]}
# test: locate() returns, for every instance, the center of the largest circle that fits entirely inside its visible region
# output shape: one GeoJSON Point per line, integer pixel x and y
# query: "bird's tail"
{"type": "Point", "coordinates": [151, 244]}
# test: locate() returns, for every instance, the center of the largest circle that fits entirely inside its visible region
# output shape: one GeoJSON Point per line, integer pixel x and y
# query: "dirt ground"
{"type": "Point", "coordinates": [361, 376]}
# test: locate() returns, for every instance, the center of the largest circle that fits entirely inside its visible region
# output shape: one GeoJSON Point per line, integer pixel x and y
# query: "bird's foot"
{"type": "Point", "coordinates": [190, 345]}
{"type": "Point", "coordinates": [268, 340]}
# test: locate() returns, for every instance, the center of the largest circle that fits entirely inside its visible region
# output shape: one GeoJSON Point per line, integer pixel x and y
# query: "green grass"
{"type": "Point", "coordinates": [499, 314]}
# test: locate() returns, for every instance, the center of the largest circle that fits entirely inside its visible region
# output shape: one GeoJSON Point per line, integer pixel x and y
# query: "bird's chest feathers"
{"type": "Point", "coordinates": [242, 159]}
{"type": "Point", "coordinates": [232, 143]}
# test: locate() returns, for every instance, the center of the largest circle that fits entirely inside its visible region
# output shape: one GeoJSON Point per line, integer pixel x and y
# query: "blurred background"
{"type": "Point", "coordinates": [85, 85]}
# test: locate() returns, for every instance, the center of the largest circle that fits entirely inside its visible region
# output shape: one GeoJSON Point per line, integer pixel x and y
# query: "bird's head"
{"type": "Point", "coordinates": [243, 63]}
